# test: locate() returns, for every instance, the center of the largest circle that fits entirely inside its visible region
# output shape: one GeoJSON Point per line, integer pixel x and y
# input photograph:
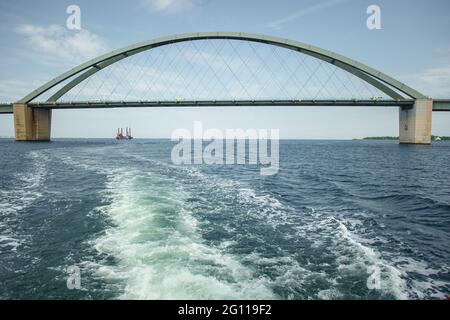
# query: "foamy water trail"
{"type": "Point", "coordinates": [351, 252]}
{"type": "Point", "coordinates": [355, 254]}
{"type": "Point", "coordinates": [160, 214]}
{"type": "Point", "coordinates": [159, 251]}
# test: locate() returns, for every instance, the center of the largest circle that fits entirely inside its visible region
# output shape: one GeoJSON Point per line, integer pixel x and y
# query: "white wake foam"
{"type": "Point", "coordinates": [159, 251]}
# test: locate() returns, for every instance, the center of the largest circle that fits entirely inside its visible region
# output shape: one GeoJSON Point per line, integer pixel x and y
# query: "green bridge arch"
{"type": "Point", "coordinates": [32, 121]}
{"type": "Point", "coordinates": [374, 77]}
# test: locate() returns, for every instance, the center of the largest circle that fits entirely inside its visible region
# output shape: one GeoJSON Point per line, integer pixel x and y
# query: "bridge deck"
{"type": "Point", "coordinates": [438, 105]}
{"type": "Point", "coordinates": [6, 108]}
{"type": "Point", "coordinates": [223, 103]}
{"type": "Point", "coordinates": [441, 105]}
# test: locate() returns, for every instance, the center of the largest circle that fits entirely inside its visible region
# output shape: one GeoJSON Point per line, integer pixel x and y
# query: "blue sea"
{"type": "Point", "coordinates": [338, 217]}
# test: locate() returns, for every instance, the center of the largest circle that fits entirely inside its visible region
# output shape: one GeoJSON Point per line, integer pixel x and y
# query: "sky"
{"type": "Point", "coordinates": [413, 46]}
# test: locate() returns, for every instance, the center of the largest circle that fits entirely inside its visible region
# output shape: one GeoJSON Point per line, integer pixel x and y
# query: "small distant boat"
{"type": "Point", "coordinates": [121, 136]}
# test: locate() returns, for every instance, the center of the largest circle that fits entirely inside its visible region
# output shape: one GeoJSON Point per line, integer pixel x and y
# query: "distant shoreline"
{"type": "Point", "coordinates": [433, 138]}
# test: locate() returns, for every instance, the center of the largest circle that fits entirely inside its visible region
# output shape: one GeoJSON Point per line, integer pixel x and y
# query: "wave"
{"type": "Point", "coordinates": [356, 247]}
{"type": "Point", "coordinates": [159, 251]}
{"type": "Point", "coordinates": [25, 189]}
{"type": "Point", "coordinates": [180, 233]}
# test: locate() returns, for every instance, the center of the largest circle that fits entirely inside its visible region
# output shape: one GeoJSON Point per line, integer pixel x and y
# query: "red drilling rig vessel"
{"type": "Point", "coordinates": [121, 136]}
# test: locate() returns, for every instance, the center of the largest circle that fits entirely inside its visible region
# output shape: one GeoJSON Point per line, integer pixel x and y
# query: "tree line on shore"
{"type": "Point", "coordinates": [433, 138]}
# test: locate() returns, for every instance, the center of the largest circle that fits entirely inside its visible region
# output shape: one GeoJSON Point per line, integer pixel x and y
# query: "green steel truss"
{"type": "Point", "coordinates": [80, 73]}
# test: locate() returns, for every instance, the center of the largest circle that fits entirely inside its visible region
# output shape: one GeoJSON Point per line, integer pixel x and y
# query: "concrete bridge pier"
{"type": "Point", "coordinates": [415, 123]}
{"type": "Point", "coordinates": [31, 124]}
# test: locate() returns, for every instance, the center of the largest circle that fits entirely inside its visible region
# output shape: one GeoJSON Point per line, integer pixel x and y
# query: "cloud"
{"type": "Point", "coordinates": [434, 82]}
{"type": "Point", "coordinates": [277, 24]}
{"type": "Point", "coordinates": [171, 6]}
{"type": "Point", "coordinates": [63, 44]}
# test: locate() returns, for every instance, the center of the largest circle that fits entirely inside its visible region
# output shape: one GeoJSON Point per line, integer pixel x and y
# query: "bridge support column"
{"type": "Point", "coordinates": [31, 124]}
{"type": "Point", "coordinates": [415, 123]}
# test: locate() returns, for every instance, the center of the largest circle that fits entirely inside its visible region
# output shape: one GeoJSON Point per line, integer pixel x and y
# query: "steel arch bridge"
{"type": "Point", "coordinates": [32, 118]}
